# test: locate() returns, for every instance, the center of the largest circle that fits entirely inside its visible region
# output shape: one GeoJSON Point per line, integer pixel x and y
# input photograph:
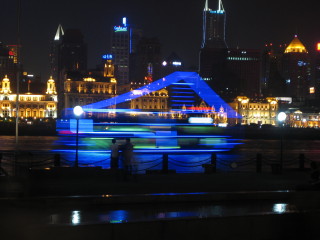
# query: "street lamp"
{"type": "Point", "coordinates": [281, 118]}
{"type": "Point", "coordinates": [77, 111]}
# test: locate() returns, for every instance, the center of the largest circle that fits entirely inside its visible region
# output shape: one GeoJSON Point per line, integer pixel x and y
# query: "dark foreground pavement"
{"type": "Point", "coordinates": [27, 199]}
{"type": "Point", "coordinates": [95, 181]}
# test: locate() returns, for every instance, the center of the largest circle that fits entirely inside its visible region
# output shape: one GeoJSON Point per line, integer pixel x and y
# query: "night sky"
{"type": "Point", "coordinates": [176, 23]}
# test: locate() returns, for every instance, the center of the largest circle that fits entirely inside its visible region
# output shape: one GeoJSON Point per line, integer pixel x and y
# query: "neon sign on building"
{"type": "Point", "coordinates": [120, 29]}
{"type": "Point", "coordinates": [123, 28]}
{"type": "Point", "coordinates": [107, 56]}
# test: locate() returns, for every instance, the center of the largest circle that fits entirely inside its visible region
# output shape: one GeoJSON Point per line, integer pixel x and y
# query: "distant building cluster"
{"type": "Point", "coordinates": [257, 83]}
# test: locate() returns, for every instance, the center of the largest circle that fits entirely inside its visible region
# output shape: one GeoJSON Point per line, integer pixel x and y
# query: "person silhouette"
{"type": "Point", "coordinates": [114, 162]}
{"type": "Point", "coordinates": [127, 157]}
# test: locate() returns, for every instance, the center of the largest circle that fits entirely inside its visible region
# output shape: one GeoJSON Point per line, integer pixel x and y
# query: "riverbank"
{"type": "Point", "coordinates": [241, 132]}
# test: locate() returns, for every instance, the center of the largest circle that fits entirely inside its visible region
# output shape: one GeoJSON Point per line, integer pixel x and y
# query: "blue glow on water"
{"type": "Point", "coordinates": [188, 146]}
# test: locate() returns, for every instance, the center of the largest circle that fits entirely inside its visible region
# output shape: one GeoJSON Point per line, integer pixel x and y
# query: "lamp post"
{"type": "Point", "coordinates": [77, 111]}
{"type": "Point", "coordinates": [281, 118]}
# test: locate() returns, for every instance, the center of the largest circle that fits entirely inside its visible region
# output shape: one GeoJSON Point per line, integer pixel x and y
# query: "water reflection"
{"type": "Point", "coordinates": [280, 207]}
{"type": "Point", "coordinates": [136, 213]}
{"type": "Point", "coordinates": [75, 217]}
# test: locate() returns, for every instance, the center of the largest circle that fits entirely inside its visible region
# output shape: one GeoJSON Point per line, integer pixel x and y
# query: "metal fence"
{"type": "Point", "coordinates": [19, 163]}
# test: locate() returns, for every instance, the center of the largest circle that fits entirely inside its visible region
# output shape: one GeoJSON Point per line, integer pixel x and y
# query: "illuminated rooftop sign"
{"type": "Point", "coordinates": [124, 21]}
{"type": "Point", "coordinates": [120, 29]}
{"type": "Point", "coordinates": [176, 63]}
{"type": "Point", "coordinates": [217, 12]}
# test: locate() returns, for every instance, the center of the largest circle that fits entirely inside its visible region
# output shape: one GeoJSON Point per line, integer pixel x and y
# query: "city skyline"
{"type": "Point", "coordinates": [178, 26]}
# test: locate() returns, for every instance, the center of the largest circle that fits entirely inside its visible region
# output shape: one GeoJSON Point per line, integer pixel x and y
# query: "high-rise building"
{"type": "Point", "coordinates": [272, 82]}
{"type": "Point", "coordinates": [214, 22]}
{"type": "Point", "coordinates": [229, 71]}
{"type": "Point", "coordinates": [316, 72]}
{"type": "Point", "coordinates": [213, 52]}
{"type": "Point", "coordinates": [7, 65]}
{"type": "Point", "coordinates": [72, 56]}
{"type": "Point", "coordinates": [243, 72]}
{"type": "Point", "coordinates": [297, 70]}
{"type": "Point", "coordinates": [68, 57]}
{"type": "Point", "coordinates": [146, 62]}
{"type": "Point", "coordinates": [54, 52]}
{"type": "Point", "coordinates": [124, 40]}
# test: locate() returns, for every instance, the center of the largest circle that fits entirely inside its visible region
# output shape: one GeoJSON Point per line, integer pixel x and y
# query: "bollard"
{"type": "Point", "coordinates": [259, 163]}
{"type": "Point", "coordinates": [56, 161]}
{"type": "Point", "coordinates": [301, 161]}
{"type": "Point", "coordinates": [165, 163]}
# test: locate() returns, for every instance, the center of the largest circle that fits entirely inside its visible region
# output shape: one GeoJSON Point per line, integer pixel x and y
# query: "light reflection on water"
{"type": "Point", "coordinates": [99, 155]}
{"type": "Point", "coordinates": [173, 211]}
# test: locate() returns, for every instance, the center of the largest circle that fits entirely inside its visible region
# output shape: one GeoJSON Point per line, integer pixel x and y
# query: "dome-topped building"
{"type": "Point", "coordinates": [296, 70]}
{"type": "Point", "coordinates": [296, 46]}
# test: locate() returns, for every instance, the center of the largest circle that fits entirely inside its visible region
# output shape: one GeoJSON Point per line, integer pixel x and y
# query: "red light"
{"type": "Point", "coordinates": [200, 108]}
{"type": "Point", "coordinates": [318, 46]}
{"type": "Point", "coordinates": [11, 53]}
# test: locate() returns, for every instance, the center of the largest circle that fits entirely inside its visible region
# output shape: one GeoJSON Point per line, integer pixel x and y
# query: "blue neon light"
{"type": "Point", "coordinates": [182, 96]}
{"type": "Point", "coordinates": [182, 100]}
{"type": "Point", "coordinates": [217, 12]}
{"type": "Point", "coordinates": [200, 87]}
{"type": "Point", "coordinates": [182, 83]}
{"type": "Point", "coordinates": [107, 56]}
{"type": "Point", "coordinates": [120, 29]}
{"type": "Point", "coordinates": [180, 105]}
{"type": "Point", "coordinates": [182, 88]}
{"type": "Point", "coordinates": [183, 92]}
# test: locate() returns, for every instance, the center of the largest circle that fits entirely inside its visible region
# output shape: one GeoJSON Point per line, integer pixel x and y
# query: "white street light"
{"type": "Point", "coordinates": [282, 116]}
{"type": "Point", "coordinates": [77, 111]}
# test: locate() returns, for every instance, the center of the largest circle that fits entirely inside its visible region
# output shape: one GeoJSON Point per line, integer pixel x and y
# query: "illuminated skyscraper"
{"type": "Point", "coordinates": [213, 53]}
{"type": "Point", "coordinates": [54, 53]}
{"type": "Point", "coordinates": [124, 40]}
{"type": "Point", "coordinates": [214, 22]}
{"type": "Point", "coordinates": [68, 57]}
{"type": "Point", "coordinates": [297, 70]}
{"type": "Point", "coordinates": [228, 71]}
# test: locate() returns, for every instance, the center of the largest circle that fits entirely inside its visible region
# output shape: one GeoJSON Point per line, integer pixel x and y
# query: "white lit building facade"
{"type": "Point", "coordinates": [30, 105]}
{"type": "Point", "coordinates": [256, 111]}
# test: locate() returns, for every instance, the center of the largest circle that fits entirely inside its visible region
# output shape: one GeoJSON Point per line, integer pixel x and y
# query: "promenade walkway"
{"type": "Point", "coordinates": [38, 204]}
{"type": "Point", "coordinates": [95, 181]}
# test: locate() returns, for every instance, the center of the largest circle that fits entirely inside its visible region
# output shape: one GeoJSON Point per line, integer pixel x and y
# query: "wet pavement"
{"type": "Point", "coordinates": [68, 207]}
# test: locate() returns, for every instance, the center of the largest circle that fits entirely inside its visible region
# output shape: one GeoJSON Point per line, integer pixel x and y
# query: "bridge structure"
{"type": "Point", "coordinates": [192, 79]}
